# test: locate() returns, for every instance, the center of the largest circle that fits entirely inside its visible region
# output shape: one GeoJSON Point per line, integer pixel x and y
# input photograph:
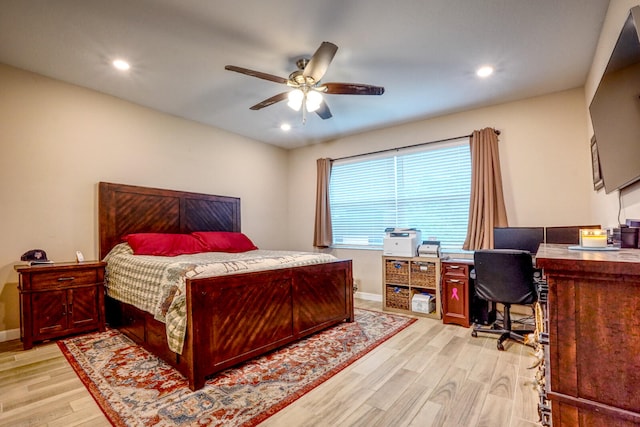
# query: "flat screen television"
{"type": "Point", "coordinates": [521, 238]}
{"type": "Point", "coordinates": [615, 110]}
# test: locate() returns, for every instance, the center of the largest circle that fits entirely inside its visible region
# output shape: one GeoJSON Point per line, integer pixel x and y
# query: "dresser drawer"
{"type": "Point", "coordinates": [55, 279]}
{"type": "Point", "coordinates": [451, 269]}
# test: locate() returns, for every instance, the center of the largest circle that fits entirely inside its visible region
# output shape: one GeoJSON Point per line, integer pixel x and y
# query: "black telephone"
{"type": "Point", "coordinates": [35, 256]}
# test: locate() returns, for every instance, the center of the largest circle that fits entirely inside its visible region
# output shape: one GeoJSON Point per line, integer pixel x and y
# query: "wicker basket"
{"type": "Point", "coordinates": [397, 272]}
{"type": "Point", "coordinates": [423, 274]}
{"type": "Point", "coordinates": [397, 297]}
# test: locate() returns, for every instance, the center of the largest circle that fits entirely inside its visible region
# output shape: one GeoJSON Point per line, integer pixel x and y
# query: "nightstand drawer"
{"type": "Point", "coordinates": [55, 279]}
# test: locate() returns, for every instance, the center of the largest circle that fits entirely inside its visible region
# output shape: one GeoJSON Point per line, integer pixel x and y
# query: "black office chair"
{"type": "Point", "coordinates": [505, 276]}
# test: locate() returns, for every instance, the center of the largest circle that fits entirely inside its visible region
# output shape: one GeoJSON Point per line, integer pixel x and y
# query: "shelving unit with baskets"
{"type": "Point", "coordinates": [404, 277]}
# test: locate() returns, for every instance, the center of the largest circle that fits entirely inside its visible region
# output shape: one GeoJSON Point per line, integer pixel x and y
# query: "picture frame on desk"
{"type": "Point", "coordinates": [598, 183]}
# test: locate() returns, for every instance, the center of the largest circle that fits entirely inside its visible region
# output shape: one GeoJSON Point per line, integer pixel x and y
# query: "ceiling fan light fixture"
{"type": "Point", "coordinates": [314, 99]}
{"type": "Point", "coordinates": [121, 64]}
{"type": "Point", "coordinates": [296, 97]}
{"type": "Point", "coordinates": [484, 71]}
{"type": "Point", "coordinates": [306, 90]}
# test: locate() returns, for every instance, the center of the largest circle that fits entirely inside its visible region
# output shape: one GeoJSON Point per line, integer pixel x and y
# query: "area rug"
{"type": "Point", "coordinates": [135, 388]}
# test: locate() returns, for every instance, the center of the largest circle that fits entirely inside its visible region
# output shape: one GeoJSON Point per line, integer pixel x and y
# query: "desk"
{"type": "Point", "coordinates": [594, 335]}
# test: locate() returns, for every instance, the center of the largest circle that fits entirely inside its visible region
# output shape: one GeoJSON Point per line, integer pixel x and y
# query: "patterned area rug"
{"type": "Point", "coordinates": [134, 388]}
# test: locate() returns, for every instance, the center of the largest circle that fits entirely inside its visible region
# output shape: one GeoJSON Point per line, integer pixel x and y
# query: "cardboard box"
{"type": "Point", "coordinates": [423, 303]}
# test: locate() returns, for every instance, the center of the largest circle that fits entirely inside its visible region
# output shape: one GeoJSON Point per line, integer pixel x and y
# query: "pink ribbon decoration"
{"type": "Point", "coordinates": [454, 294]}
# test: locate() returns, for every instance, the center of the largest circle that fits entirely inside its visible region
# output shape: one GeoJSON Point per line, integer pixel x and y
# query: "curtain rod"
{"type": "Point", "coordinates": [407, 146]}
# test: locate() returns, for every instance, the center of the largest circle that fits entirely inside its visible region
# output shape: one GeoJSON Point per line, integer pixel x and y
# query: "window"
{"type": "Point", "coordinates": [427, 188]}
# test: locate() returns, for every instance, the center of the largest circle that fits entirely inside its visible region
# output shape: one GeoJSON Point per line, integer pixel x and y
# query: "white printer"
{"type": "Point", "coordinates": [429, 248]}
{"type": "Point", "coordinates": [401, 242]}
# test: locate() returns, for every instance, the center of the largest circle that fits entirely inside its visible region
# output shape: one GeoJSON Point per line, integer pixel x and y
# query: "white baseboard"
{"type": "Point", "coordinates": [8, 335]}
{"type": "Point", "coordinates": [368, 296]}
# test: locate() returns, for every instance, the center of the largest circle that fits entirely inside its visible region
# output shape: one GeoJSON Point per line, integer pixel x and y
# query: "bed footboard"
{"type": "Point", "coordinates": [235, 318]}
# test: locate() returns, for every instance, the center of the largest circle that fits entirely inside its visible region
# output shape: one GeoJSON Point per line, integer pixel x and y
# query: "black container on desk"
{"type": "Point", "coordinates": [628, 237]}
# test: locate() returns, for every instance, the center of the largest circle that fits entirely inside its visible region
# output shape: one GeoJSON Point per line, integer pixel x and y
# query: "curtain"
{"type": "Point", "coordinates": [486, 207]}
{"type": "Point", "coordinates": [323, 233]}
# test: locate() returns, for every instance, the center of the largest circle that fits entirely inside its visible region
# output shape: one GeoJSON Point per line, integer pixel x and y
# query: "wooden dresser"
{"type": "Point", "coordinates": [594, 335]}
{"type": "Point", "coordinates": [60, 299]}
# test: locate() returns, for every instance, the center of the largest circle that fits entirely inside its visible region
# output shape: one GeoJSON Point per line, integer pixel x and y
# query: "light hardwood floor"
{"type": "Point", "coordinates": [430, 374]}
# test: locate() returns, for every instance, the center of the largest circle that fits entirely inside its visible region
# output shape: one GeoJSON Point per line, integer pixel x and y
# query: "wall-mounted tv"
{"type": "Point", "coordinates": [615, 110]}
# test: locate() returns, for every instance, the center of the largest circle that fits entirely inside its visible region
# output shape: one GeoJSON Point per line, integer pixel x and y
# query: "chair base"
{"type": "Point", "coordinates": [504, 329]}
{"type": "Point", "coordinates": [518, 335]}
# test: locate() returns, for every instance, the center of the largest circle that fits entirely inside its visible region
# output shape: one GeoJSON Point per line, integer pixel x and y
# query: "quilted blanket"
{"type": "Point", "coordinates": [157, 284]}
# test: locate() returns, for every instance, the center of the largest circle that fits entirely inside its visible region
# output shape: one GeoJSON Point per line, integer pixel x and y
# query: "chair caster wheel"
{"type": "Point", "coordinates": [500, 346]}
{"type": "Point", "coordinates": [474, 334]}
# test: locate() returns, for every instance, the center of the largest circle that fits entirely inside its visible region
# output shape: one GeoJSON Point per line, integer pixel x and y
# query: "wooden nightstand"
{"type": "Point", "coordinates": [60, 299]}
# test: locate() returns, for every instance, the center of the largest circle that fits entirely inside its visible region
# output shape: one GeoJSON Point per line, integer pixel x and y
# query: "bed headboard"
{"type": "Point", "coordinates": [125, 209]}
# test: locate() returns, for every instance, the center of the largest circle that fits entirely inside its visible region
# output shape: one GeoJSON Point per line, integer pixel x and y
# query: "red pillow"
{"type": "Point", "coordinates": [164, 244]}
{"type": "Point", "coordinates": [224, 241]}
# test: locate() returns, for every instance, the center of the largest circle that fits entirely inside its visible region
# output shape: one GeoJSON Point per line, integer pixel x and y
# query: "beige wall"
{"type": "Point", "coordinates": [544, 155]}
{"type": "Point", "coordinates": [58, 141]}
{"type": "Point", "coordinates": [606, 206]}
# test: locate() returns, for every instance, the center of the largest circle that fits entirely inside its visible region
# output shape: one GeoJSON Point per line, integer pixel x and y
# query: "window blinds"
{"type": "Point", "coordinates": [427, 188]}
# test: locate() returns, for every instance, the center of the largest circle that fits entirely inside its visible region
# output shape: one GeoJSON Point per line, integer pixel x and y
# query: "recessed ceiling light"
{"type": "Point", "coordinates": [285, 127]}
{"type": "Point", "coordinates": [121, 64]}
{"type": "Point", "coordinates": [485, 71]}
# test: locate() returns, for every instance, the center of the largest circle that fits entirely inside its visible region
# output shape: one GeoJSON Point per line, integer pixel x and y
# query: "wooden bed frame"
{"type": "Point", "coordinates": [230, 319]}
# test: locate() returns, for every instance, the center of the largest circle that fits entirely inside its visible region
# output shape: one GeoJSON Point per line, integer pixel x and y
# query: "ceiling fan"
{"type": "Point", "coordinates": [307, 89]}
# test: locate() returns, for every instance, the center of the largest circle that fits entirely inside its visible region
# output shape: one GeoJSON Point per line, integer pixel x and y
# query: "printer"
{"type": "Point", "coordinates": [401, 242]}
{"type": "Point", "coordinates": [429, 248]}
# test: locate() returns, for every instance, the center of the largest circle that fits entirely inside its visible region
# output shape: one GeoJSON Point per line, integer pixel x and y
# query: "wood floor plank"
{"type": "Point", "coordinates": [347, 406]}
{"type": "Point", "coordinates": [435, 372]}
{"type": "Point", "coordinates": [496, 412]}
{"type": "Point", "coordinates": [446, 390]}
{"type": "Point", "coordinates": [391, 390]}
{"type": "Point", "coordinates": [339, 400]}
{"type": "Point", "coordinates": [405, 408]}
{"type": "Point", "coordinates": [376, 379]}
{"type": "Point", "coordinates": [525, 402]}
{"type": "Point", "coordinates": [421, 358]}
{"type": "Point", "coordinates": [80, 417]}
{"type": "Point", "coordinates": [18, 400]}
{"type": "Point", "coordinates": [372, 361]}
{"type": "Point", "coordinates": [427, 416]}
{"type": "Point", "coordinates": [467, 405]}
{"type": "Point", "coordinates": [453, 347]}
{"type": "Point", "coordinates": [366, 416]}
{"type": "Point", "coordinates": [504, 379]}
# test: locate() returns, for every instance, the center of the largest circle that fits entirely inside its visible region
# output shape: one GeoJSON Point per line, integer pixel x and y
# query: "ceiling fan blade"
{"type": "Point", "coordinates": [324, 111]}
{"type": "Point", "coordinates": [320, 61]}
{"type": "Point", "coordinates": [257, 74]}
{"type": "Point", "coordinates": [352, 89]}
{"type": "Point", "coordinates": [276, 98]}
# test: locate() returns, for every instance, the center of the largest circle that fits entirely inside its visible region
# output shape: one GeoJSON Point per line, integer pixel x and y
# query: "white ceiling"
{"type": "Point", "coordinates": [424, 52]}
